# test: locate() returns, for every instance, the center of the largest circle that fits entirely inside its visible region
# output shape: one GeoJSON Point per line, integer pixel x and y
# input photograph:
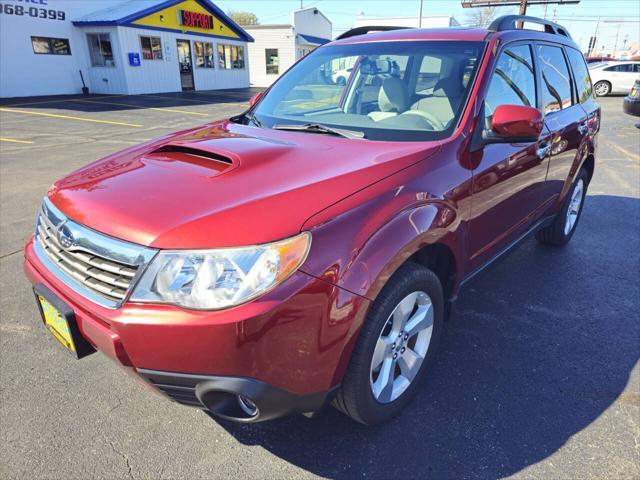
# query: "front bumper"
{"type": "Point", "coordinates": [296, 339]}
{"type": "Point", "coordinates": [222, 395]}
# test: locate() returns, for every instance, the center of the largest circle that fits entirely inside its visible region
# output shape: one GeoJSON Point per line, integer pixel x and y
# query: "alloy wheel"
{"type": "Point", "coordinates": [602, 89]}
{"type": "Point", "coordinates": [574, 207]}
{"type": "Point", "coordinates": [401, 347]}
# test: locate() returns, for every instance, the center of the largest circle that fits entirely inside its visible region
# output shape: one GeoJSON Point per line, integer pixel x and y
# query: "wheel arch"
{"type": "Point", "coordinates": [430, 235]}
{"type": "Point", "coordinates": [589, 165]}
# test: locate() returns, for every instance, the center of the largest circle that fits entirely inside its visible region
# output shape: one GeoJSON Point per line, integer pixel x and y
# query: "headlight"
{"type": "Point", "coordinates": [220, 278]}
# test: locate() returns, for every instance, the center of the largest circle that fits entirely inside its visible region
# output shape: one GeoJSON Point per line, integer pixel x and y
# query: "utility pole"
{"type": "Point", "coordinates": [615, 45]}
{"type": "Point", "coordinates": [420, 17]}
{"type": "Point", "coordinates": [523, 7]}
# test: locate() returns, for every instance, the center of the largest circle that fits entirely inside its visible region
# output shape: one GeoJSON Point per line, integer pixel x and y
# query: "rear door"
{"type": "Point", "coordinates": [565, 118]}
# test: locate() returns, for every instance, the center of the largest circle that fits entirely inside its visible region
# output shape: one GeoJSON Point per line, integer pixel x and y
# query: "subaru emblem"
{"type": "Point", "coordinates": [65, 237]}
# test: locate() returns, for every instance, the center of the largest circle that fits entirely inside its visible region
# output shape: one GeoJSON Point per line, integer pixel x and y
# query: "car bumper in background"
{"type": "Point", "coordinates": [631, 105]}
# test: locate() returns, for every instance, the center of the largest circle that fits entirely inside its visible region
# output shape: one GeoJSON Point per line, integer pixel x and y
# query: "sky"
{"type": "Point", "coordinates": [621, 17]}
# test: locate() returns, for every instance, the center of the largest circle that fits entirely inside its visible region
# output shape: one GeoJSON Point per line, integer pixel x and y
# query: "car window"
{"type": "Point", "coordinates": [625, 67]}
{"type": "Point", "coordinates": [370, 88]}
{"type": "Point", "coordinates": [428, 74]}
{"type": "Point", "coordinates": [580, 73]}
{"type": "Point", "coordinates": [636, 67]}
{"type": "Point", "coordinates": [556, 83]}
{"type": "Point", "coordinates": [513, 81]}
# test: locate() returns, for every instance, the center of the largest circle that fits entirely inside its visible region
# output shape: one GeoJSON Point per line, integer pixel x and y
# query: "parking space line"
{"type": "Point", "coordinates": [624, 151]}
{"type": "Point", "coordinates": [69, 117]}
{"type": "Point", "coordinates": [160, 109]}
{"type": "Point", "coordinates": [60, 100]}
{"type": "Point", "coordinates": [14, 140]}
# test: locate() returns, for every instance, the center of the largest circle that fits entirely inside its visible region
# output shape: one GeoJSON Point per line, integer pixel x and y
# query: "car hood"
{"type": "Point", "coordinates": [225, 184]}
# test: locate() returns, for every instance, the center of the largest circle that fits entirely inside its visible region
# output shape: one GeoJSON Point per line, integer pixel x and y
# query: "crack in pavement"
{"type": "Point", "coordinates": [123, 455]}
{"type": "Point", "coordinates": [5, 255]}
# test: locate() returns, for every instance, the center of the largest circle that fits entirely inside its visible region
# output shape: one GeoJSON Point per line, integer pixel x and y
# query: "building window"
{"type": "Point", "coordinates": [272, 60]}
{"type": "Point", "coordinates": [100, 50]}
{"type": "Point", "coordinates": [50, 46]}
{"type": "Point", "coordinates": [151, 48]}
{"type": "Point", "coordinates": [204, 54]}
{"type": "Point", "coordinates": [230, 56]}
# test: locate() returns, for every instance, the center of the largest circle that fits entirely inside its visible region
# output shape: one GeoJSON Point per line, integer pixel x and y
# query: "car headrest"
{"type": "Point", "coordinates": [393, 95]}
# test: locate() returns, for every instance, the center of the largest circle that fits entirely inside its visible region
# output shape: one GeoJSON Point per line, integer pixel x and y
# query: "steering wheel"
{"type": "Point", "coordinates": [430, 118]}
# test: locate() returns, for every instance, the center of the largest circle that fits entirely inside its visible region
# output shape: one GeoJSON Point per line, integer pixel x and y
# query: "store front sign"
{"type": "Point", "coordinates": [188, 16]}
{"type": "Point", "coordinates": [195, 19]}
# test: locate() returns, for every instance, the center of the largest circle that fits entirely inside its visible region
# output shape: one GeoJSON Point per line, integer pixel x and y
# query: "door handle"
{"type": "Point", "coordinates": [583, 128]}
{"type": "Point", "coordinates": [543, 151]}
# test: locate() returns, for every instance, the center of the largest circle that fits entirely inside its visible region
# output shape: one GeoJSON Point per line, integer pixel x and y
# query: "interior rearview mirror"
{"type": "Point", "coordinates": [375, 67]}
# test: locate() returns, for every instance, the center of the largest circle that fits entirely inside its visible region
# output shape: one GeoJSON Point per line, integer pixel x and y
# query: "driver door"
{"type": "Point", "coordinates": [508, 178]}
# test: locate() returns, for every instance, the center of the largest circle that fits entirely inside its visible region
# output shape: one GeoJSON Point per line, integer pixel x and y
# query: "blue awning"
{"type": "Point", "coordinates": [311, 40]}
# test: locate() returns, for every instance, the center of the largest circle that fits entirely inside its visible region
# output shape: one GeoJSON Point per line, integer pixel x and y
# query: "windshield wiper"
{"type": "Point", "coordinates": [319, 128]}
{"type": "Point", "coordinates": [247, 118]}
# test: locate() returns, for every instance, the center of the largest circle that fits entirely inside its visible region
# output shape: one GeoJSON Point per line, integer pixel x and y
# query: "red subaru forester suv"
{"type": "Point", "coordinates": [307, 251]}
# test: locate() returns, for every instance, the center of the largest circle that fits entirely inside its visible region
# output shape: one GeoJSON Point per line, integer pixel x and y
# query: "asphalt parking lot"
{"type": "Point", "coordinates": [538, 375]}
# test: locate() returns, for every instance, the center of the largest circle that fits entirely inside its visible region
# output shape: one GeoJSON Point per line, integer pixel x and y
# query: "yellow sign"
{"type": "Point", "coordinates": [172, 18]}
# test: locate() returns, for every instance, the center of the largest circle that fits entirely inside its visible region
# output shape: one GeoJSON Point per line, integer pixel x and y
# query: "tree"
{"type": "Point", "coordinates": [244, 18]}
{"type": "Point", "coordinates": [481, 17]}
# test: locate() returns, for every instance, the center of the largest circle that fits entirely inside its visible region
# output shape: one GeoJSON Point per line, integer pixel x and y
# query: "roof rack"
{"type": "Point", "coordinates": [364, 30]}
{"type": "Point", "coordinates": [510, 22]}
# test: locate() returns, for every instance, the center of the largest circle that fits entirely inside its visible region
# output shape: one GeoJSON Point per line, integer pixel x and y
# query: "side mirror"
{"type": "Point", "coordinates": [515, 123]}
{"type": "Point", "coordinates": [255, 99]}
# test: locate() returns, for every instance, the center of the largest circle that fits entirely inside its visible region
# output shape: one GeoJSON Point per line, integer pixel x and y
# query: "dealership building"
{"type": "Point", "coordinates": [57, 47]}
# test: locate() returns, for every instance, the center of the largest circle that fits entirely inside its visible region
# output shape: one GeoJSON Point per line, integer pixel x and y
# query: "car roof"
{"type": "Point", "coordinates": [416, 34]}
{"type": "Point", "coordinates": [452, 34]}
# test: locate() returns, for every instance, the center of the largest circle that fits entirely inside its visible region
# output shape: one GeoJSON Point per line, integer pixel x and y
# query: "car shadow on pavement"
{"type": "Point", "coordinates": [535, 352]}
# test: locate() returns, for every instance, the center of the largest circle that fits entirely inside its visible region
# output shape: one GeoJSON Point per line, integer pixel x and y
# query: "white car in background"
{"type": "Point", "coordinates": [340, 77]}
{"type": "Point", "coordinates": [614, 77]}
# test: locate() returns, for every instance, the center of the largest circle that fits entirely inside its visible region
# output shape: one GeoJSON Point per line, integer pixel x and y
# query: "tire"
{"type": "Point", "coordinates": [356, 397]}
{"type": "Point", "coordinates": [557, 233]}
{"type": "Point", "coordinates": [602, 88]}
{"type": "Point", "coordinates": [341, 81]}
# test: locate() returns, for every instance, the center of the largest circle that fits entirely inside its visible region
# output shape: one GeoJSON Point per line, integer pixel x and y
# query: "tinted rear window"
{"type": "Point", "coordinates": [556, 81]}
{"type": "Point", "coordinates": [580, 73]}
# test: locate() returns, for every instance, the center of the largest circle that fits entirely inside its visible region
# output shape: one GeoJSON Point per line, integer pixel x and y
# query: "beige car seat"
{"type": "Point", "coordinates": [393, 98]}
{"type": "Point", "coordinates": [447, 94]}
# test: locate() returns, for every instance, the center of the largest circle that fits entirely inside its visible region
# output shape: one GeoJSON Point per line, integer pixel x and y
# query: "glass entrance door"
{"type": "Point", "coordinates": [185, 64]}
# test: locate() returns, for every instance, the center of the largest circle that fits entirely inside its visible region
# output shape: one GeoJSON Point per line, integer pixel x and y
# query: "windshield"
{"type": "Point", "coordinates": [402, 91]}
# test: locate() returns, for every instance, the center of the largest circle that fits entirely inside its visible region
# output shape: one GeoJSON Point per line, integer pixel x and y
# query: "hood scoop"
{"type": "Point", "coordinates": [200, 162]}
{"type": "Point", "coordinates": [195, 152]}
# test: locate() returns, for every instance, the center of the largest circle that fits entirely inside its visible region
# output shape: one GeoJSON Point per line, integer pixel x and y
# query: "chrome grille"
{"type": "Point", "coordinates": [100, 267]}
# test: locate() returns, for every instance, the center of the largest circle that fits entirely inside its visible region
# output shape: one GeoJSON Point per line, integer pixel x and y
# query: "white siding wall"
{"type": "Point", "coordinates": [281, 38]}
{"type": "Point", "coordinates": [307, 22]}
{"type": "Point", "coordinates": [24, 73]}
{"type": "Point", "coordinates": [156, 76]}
{"type": "Point", "coordinates": [109, 80]}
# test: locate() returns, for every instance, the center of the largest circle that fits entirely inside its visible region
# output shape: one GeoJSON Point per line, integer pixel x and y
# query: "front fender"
{"type": "Point", "coordinates": [365, 268]}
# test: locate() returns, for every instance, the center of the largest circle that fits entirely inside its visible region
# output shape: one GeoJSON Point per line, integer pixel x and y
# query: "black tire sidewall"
{"type": "Point", "coordinates": [409, 278]}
